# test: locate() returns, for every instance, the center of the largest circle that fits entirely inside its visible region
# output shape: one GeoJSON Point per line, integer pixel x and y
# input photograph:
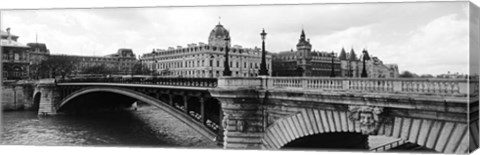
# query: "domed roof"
{"type": "Point", "coordinates": [219, 31]}
{"type": "Point", "coordinates": [218, 35]}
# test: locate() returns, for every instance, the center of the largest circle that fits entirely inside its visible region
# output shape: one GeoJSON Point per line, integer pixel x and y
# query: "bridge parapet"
{"type": "Point", "coordinates": [168, 81]}
{"type": "Point", "coordinates": [241, 82]}
{"type": "Point", "coordinates": [456, 87]}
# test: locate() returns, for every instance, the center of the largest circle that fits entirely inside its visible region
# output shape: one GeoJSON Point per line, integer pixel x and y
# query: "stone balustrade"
{"type": "Point", "coordinates": [460, 87]}
{"type": "Point", "coordinates": [377, 85]}
{"type": "Point", "coordinates": [240, 82]}
{"type": "Point", "coordinates": [398, 85]}
{"type": "Point", "coordinates": [168, 81]}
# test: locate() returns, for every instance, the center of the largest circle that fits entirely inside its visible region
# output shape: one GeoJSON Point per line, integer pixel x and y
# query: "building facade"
{"type": "Point", "coordinates": [206, 60]}
{"type": "Point", "coordinates": [15, 57]}
{"type": "Point", "coordinates": [21, 61]}
{"type": "Point", "coordinates": [38, 52]}
{"type": "Point", "coordinates": [121, 62]}
{"type": "Point", "coordinates": [351, 66]}
{"type": "Point", "coordinates": [305, 61]}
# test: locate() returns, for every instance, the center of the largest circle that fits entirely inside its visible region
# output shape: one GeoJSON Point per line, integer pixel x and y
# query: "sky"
{"type": "Point", "coordinates": [425, 38]}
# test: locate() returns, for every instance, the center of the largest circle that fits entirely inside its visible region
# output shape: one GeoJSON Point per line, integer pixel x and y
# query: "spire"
{"type": "Point", "coordinates": [302, 41]}
{"type": "Point", "coordinates": [343, 55]}
{"type": "Point", "coordinates": [219, 19]}
{"type": "Point", "coordinates": [302, 36]}
{"type": "Point", "coordinates": [352, 55]}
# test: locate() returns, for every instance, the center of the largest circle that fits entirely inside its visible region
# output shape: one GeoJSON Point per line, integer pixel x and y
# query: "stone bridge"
{"type": "Point", "coordinates": [278, 112]}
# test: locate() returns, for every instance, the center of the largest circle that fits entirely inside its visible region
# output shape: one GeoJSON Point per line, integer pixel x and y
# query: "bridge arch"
{"type": "Point", "coordinates": [36, 100]}
{"type": "Point", "coordinates": [441, 136]}
{"type": "Point", "coordinates": [191, 122]}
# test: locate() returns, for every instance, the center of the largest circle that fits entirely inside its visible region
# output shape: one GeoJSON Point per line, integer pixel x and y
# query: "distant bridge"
{"type": "Point", "coordinates": [280, 112]}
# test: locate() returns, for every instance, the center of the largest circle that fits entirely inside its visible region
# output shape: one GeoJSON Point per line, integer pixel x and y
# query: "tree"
{"type": "Point", "coordinates": [408, 74]}
{"type": "Point", "coordinates": [57, 65]}
{"type": "Point", "coordinates": [141, 69]}
{"type": "Point", "coordinates": [427, 76]}
{"type": "Point", "coordinates": [166, 72]}
{"type": "Point", "coordinates": [99, 69]}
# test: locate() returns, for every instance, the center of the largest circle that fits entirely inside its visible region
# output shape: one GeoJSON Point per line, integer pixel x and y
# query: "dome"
{"type": "Point", "coordinates": [219, 30]}
{"type": "Point", "coordinates": [218, 35]}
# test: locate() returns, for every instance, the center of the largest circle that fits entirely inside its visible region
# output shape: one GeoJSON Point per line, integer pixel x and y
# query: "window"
{"type": "Point", "coordinates": [211, 63]}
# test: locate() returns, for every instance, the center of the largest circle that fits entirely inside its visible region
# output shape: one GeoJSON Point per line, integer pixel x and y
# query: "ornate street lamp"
{"type": "Point", "coordinates": [154, 67]}
{"type": "Point", "coordinates": [226, 70]}
{"type": "Point", "coordinates": [263, 65]}
{"type": "Point", "coordinates": [332, 73]}
{"type": "Point", "coordinates": [364, 70]}
{"type": "Point", "coordinates": [211, 65]}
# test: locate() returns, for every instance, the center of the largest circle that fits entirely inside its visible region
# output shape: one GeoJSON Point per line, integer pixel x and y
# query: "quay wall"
{"type": "Point", "coordinates": [17, 95]}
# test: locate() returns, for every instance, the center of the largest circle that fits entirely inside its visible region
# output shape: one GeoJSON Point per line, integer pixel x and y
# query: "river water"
{"type": "Point", "coordinates": [147, 127]}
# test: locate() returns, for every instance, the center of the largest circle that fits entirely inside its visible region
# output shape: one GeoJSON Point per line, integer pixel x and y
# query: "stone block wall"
{"type": "Point", "coordinates": [17, 97]}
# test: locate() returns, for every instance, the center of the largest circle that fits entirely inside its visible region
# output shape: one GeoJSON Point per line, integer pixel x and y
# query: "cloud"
{"type": "Point", "coordinates": [435, 48]}
{"type": "Point", "coordinates": [420, 37]}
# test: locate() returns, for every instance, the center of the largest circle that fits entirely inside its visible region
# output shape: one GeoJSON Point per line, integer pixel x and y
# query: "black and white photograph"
{"type": "Point", "coordinates": [373, 77]}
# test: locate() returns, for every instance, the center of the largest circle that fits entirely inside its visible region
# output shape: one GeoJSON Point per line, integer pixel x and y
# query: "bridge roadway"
{"type": "Point", "coordinates": [278, 112]}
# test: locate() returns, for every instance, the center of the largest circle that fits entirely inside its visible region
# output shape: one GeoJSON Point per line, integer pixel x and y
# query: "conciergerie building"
{"type": "Point", "coordinates": [207, 60]}
{"type": "Point", "coordinates": [307, 62]}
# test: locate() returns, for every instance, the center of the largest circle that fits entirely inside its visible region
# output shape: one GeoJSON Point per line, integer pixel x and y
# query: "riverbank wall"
{"type": "Point", "coordinates": [17, 95]}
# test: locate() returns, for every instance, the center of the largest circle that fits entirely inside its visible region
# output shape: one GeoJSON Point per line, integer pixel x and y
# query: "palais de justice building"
{"type": "Point", "coordinates": [207, 60]}
{"type": "Point", "coordinates": [304, 61]}
{"type": "Point", "coordinates": [307, 62]}
{"type": "Point", "coordinates": [353, 66]}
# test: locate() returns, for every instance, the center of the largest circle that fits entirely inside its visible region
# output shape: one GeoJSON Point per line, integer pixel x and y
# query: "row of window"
{"type": "Point", "coordinates": [203, 63]}
{"type": "Point", "coordinates": [197, 56]}
{"type": "Point", "coordinates": [210, 73]}
{"type": "Point", "coordinates": [201, 48]}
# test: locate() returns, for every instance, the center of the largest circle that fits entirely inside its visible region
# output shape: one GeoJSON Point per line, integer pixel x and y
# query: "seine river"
{"type": "Point", "coordinates": [147, 127]}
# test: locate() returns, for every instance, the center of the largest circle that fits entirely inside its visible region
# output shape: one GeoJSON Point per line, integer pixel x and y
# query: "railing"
{"type": "Point", "coordinates": [459, 87]}
{"type": "Point", "coordinates": [398, 85]}
{"type": "Point", "coordinates": [389, 146]}
{"type": "Point", "coordinates": [168, 81]}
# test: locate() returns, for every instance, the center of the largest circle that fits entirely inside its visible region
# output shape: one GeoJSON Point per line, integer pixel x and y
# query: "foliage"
{"type": "Point", "coordinates": [141, 69]}
{"type": "Point", "coordinates": [100, 69]}
{"type": "Point", "coordinates": [408, 74]}
{"type": "Point", "coordinates": [166, 72]}
{"type": "Point", "coordinates": [59, 65]}
{"type": "Point", "coordinates": [427, 76]}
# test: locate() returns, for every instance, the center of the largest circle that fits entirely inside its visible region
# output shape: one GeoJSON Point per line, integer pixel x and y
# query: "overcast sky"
{"type": "Point", "coordinates": [426, 38]}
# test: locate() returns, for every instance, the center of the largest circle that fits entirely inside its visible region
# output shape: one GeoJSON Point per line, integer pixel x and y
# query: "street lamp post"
{"type": "Point", "coordinates": [364, 70]}
{"type": "Point", "coordinates": [332, 73]}
{"type": "Point", "coordinates": [226, 71]}
{"type": "Point", "coordinates": [211, 65]}
{"type": "Point", "coordinates": [263, 65]}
